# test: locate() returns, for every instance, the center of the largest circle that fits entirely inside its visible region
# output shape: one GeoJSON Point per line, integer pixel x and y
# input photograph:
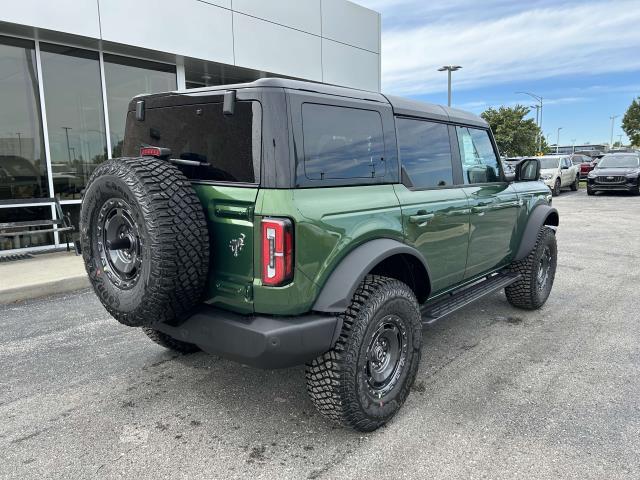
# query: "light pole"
{"type": "Point", "coordinates": [538, 115]}
{"type": "Point", "coordinates": [613, 121]}
{"type": "Point", "coordinates": [573, 145]}
{"type": "Point", "coordinates": [66, 131]}
{"type": "Point", "coordinates": [449, 69]}
{"type": "Point", "coordinates": [558, 140]}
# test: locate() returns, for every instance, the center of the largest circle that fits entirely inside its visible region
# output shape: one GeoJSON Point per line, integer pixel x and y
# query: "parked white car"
{"type": "Point", "coordinates": [558, 171]}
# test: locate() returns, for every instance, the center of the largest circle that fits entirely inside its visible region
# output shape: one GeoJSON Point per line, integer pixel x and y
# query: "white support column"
{"type": "Point", "coordinates": [181, 80]}
{"type": "Point", "coordinates": [45, 134]}
{"type": "Point", "coordinates": [105, 107]}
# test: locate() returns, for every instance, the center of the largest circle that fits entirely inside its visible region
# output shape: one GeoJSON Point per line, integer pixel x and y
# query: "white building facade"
{"type": "Point", "coordinates": [68, 69]}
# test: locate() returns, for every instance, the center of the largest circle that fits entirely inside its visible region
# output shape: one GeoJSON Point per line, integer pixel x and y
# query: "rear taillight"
{"type": "Point", "coordinates": [277, 251]}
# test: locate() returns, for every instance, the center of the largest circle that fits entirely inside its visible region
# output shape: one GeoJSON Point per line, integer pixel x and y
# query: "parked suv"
{"type": "Point", "coordinates": [616, 171]}
{"type": "Point", "coordinates": [282, 222]}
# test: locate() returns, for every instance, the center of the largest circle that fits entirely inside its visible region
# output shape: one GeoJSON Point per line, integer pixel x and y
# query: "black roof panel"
{"type": "Point", "coordinates": [401, 106]}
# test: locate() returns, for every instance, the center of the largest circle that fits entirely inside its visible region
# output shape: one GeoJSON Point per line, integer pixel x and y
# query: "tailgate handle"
{"type": "Point", "coordinates": [234, 211]}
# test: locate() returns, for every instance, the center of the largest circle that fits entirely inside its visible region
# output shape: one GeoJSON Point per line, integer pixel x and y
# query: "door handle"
{"type": "Point", "coordinates": [421, 219]}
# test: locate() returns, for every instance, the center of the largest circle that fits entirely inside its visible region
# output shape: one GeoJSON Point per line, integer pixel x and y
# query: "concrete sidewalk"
{"type": "Point", "coordinates": [42, 275]}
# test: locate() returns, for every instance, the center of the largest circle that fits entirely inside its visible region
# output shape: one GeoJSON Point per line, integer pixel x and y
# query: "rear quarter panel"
{"type": "Point", "coordinates": [329, 223]}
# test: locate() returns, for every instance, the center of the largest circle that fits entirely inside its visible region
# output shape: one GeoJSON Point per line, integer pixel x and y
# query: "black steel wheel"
{"type": "Point", "coordinates": [119, 243]}
{"type": "Point", "coordinates": [144, 241]}
{"type": "Point", "coordinates": [363, 381]}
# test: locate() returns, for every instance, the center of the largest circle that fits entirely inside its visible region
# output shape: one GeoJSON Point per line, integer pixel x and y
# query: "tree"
{"type": "Point", "coordinates": [631, 122]}
{"type": "Point", "coordinates": [515, 135]}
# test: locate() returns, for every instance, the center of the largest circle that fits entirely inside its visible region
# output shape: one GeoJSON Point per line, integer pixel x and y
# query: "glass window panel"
{"type": "Point", "coordinates": [23, 172]}
{"type": "Point", "coordinates": [425, 152]}
{"type": "Point", "coordinates": [25, 214]}
{"type": "Point", "coordinates": [342, 142]}
{"type": "Point", "coordinates": [479, 161]}
{"type": "Point", "coordinates": [75, 116]}
{"type": "Point", "coordinates": [125, 78]}
{"type": "Point", "coordinates": [218, 147]}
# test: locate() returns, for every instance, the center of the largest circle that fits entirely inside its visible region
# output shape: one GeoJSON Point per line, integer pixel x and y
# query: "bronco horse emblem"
{"type": "Point", "coordinates": [236, 245]}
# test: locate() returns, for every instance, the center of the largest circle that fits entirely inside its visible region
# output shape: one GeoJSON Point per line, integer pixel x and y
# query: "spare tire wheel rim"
{"type": "Point", "coordinates": [386, 356]}
{"type": "Point", "coordinates": [119, 243]}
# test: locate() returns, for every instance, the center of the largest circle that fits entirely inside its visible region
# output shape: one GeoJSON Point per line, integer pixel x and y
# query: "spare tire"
{"type": "Point", "coordinates": [144, 241]}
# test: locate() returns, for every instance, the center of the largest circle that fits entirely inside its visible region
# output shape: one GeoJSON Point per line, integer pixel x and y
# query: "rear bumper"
{"type": "Point", "coordinates": [259, 341]}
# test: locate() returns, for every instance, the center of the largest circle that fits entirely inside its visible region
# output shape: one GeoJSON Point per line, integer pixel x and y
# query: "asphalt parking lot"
{"type": "Point", "coordinates": [501, 393]}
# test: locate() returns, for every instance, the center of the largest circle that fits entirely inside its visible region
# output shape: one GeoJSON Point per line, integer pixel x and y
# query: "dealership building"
{"type": "Point", "coordinates": [68, 69]}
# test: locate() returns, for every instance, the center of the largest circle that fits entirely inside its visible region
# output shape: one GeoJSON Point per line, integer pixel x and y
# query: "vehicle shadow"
{"type": "Point", "coordinates": [243, 397]}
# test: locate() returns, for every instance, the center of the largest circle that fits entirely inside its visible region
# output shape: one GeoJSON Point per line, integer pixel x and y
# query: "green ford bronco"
{"type": "Point", "coordinates": [281, 222]}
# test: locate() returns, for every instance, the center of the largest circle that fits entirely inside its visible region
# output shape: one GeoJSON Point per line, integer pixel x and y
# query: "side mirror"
{"type": "Point", "coordinates": [528, 170]}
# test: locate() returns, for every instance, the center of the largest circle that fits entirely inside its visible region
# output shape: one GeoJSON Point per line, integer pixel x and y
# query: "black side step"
{"type": "Point", "coordinates": [462, 297]}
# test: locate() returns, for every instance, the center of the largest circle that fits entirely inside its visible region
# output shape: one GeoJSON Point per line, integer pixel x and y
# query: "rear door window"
{"type": "Point", "coordinates": [212, 146]}
{"type": "Point", "coordinates": [425, 152]}
{"type": "Point", "coordinates": [479, 160]}
{"type": "Point", "coordinates": [342, 142]}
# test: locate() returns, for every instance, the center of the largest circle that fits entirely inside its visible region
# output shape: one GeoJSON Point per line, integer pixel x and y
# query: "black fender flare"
{"type": "Point", "coordinates": [539, 216]}
{"type": "Point", "coordinates": [338, 290]}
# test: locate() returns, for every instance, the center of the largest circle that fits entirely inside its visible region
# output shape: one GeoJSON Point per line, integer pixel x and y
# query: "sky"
{"type": "Point", "coordinates": [581, 56]}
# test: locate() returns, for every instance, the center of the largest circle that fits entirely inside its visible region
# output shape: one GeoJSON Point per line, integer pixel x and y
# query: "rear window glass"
{"type": "Point", "coordinates": [213, 146]}
{"type": "Point", "coordinates": [342, 142]}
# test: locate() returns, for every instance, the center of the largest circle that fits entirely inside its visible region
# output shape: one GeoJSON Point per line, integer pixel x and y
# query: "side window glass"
{"type": "Point", "coordinates": [479, 161]}
{"type": "Point", "coordinates": [425, 152]}
{"type": "Point", "coordinates": [342, 142]}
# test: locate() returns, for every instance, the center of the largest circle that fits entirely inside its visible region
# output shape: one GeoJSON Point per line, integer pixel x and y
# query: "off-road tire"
{"type": "Point", "coordinates": [171, 238]}
{"type": "Point", "coordinates": [576, 184]}
{"type": "Point", "coordinates": [526, 293]}
{"type": "Point", "coordinates": [337, 380]}
{"type": "Point", "coordinates": [169, 342]}
{"type": "Point", "coordinates": [557, 186]}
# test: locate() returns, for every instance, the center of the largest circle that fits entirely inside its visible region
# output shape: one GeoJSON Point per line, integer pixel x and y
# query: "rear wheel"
{"type": "Point", "coordinates": [144, 241]}
{"type": "Point", "coordinates": [169, 342]}
{"type": "Point", "coordinates": [537, 273]}
{"type": "Point", "coordinates": [575, 184]}
{"type": "Point", "coordinates": [364, 380]}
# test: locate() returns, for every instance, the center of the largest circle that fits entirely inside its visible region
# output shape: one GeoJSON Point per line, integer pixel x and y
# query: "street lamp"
{"type": "Point", "coordinates": [538, 115]}
{"type": "Point", "coordinates": [558, 140]}
{"type": "Point", "coordinates": [449, 69]}
{"type": "Point", "coordinates": [613, 120]}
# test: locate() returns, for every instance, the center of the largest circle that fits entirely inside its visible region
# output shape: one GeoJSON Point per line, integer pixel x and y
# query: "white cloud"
{"type": "Point", "coordinates": [541, 42]}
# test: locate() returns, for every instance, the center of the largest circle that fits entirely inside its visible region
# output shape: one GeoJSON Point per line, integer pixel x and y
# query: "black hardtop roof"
{"type": "Point", "coordinates": [401, 106]}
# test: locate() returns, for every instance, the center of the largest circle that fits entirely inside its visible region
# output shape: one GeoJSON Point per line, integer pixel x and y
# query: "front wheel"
{"type": "Point", "coordinates": [364, 380]}
{"type": "Point", "coordinates": [590, 191]}
{"type": "Point", "coordinates": [556, 188]}
{"type": "Point", "coordinates": [537, 273]}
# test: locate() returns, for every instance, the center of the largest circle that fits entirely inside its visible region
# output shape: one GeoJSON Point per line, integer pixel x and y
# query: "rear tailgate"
{"type": "Point", "coordinates": [230, 214]}
{"type": "Point", "coordinates": [221, 155]}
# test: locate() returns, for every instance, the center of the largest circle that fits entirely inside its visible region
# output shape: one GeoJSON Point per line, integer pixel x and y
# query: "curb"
{"type": "Point", "coordinates": [43, 289]}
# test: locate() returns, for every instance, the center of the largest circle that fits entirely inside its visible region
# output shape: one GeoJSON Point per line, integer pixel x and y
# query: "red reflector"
{"type": "Point", "coordinates": [277, 251]}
